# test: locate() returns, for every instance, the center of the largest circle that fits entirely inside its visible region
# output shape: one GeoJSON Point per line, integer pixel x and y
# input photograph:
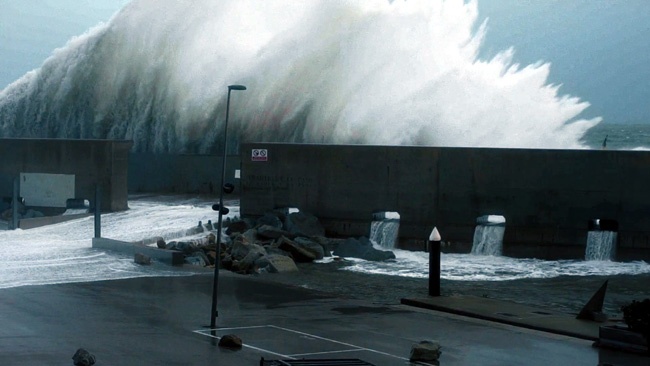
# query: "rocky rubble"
{"type": "Point", "coordinates": [23, 213]}
{"type": "Point", "coordinates": [273, 243]}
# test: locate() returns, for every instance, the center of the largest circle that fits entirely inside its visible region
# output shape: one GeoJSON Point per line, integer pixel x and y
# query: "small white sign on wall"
{"type": "Point", "coordinates": [260, 155]}
{"type": "Point", "coordinates": [46, 190]}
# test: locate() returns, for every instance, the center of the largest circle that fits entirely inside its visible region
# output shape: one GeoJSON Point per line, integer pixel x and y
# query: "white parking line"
{"type": "Point", "coordinates": [353, 348]}
{"type": "Point", "coordinates": [203, 332]}
{"type": "Point", "coordinates": [326, 352]}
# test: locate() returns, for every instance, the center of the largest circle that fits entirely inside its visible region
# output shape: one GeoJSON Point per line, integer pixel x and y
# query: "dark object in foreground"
{"type": "Point", "coordinates": [230, 341]}
{"type": "Point", "coordinates": [83, 358]}
{"type": "Point", "coordinates": [320, 362]}
{"type": "Point", "coordinates": [635, 337]}
{"type": "Point", "coordinates": [637, 318]}
{"type": "Point", "coordinates": [593, 309]}
{"type": "Point", "coordinates": [621, 338]}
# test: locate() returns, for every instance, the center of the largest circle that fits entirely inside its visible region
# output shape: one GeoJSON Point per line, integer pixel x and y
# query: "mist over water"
{"type": "Point", "coordinates": [365, 71]}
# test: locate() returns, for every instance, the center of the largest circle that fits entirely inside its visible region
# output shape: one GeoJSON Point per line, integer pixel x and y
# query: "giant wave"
{"type": "Point", "coordinates": [345, 72]}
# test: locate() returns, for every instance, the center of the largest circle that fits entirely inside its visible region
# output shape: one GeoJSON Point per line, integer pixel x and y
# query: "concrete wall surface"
{"type": "Point", "coordinates": [92, 162]}
{"type": "Point", "coordinates": [149, 172]}
{"type": "Point", "coordinates": [546, 196]}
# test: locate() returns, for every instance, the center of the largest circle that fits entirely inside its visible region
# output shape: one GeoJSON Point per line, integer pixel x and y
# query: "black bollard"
{"type": "Point", "coordinates": [434, 263]}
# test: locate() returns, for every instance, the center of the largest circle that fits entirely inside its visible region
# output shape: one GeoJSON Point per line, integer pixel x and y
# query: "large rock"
{"type": "Point", "coordinates": [237, 226]}
{"type": "Point", "coordinates": [276, 263]}
{"type": "Point", "coordinates": [362, 248]}
{"type": "Point", "coordinates": [187, 247]}
{"type": "Point", "coordinates": [230, 341]}
{"type": "Point", "coordinates": [160, 243]}
{"type": "Point", "coordinates": [271, 232]}
{"type": "Point", "coordinates": [142, 259]}
{"type": "Point", "coordinates": [270, 219]}
{"type": "Point", "coordinates": [250, 235]}
{"type": "Point", "coordinates": [329, 244]}
{"type": "Point", "coordinates": [303, 251]}
{"type": "Point", "coordinates": [303, 224]}
{"type": "Point", "coordinates": [83, 358]}
{"type": "Point", "coordinates": [196, 261]}
{"type": "Point", "coordinates": [248, 263]}
{"type": "Point", "coordinates": [425, 351]}
{"type": "Point", "coordinates": [241, 249]}
{"type": "Point", "coordinates": [316, 250]}
{"type": "Point", "coordinates": [199, 258]}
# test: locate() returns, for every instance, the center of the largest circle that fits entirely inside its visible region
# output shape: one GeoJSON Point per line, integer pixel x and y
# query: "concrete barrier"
{"type": "Point", "coordinates": [92, 162]}
{"type": "Point", "coordinates": [48, 220]}
{"type": "Point", "coordinates": [170, 257]}
{"type": "Point", "coordinates": [546, 196]}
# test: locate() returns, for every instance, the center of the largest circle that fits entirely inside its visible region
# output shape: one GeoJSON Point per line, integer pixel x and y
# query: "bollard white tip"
{"type": "Point", "coordinates": [435, 235]}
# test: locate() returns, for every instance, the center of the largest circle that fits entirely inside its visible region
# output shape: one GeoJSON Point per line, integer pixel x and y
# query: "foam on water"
{"type": "Point", "coordinates": [465, 267]}
{"type": "Point", "coordinates": [359, 71]}
{"type": "Point", "coordinates": [62, 253]}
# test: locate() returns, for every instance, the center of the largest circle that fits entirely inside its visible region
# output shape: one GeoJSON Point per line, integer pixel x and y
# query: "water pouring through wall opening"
{"type": "Point", "coordinates": [488, 235]}
{"type": "Point", "coordinates": [384, 229]}
{"type": "Point", "coordinates": [601, 240]}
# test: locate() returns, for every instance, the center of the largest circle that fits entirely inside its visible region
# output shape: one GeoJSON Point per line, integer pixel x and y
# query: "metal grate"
{"type": "Point", "coordinates": [321, 362]}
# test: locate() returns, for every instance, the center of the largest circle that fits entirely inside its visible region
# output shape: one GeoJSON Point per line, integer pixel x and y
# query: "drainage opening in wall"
{"type": "Point", "coordinates": [602, 238]}
{"type": "Point", "coordinates": [488, 235]}
{"type": "Point", "coordinates": [384, 229]}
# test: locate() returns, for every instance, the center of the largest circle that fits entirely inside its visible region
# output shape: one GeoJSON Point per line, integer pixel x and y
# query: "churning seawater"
{"type": "Point", "coordinates": [618, 136]}
{"type": "Point", "coordinates": [371, 71]}
{"type": "Point", "coordinates": [62, 253]}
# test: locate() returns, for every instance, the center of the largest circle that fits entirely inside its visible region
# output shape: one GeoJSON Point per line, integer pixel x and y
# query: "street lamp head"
{"type": "Point", "coordinates": [236, 87]}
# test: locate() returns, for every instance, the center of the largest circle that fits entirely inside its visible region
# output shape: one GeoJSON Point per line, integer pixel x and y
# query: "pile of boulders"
{"type": "Point", "coordinates": [273, 243]}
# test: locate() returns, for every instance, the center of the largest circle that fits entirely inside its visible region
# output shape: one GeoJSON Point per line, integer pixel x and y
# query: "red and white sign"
{"type": "Point", "coordinates": [260, 155]}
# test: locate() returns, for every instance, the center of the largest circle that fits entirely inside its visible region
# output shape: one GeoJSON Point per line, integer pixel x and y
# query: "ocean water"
{"type": "Point", "coordinates": [62, 253]}
{"type": "Point", "coordinates": [619, 136]}
{"type": "Point", "coordinates": [367, 71]}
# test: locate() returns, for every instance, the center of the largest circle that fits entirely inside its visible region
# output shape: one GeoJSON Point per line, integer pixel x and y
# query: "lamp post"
{"type": "Point", "coordinates": [213, 312]}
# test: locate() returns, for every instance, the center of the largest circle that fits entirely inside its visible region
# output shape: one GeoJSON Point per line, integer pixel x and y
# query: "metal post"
{"type": "Point", "coordinates": [217, 261]}
{"type": "Point", "coordinates": [434, 263]}
{"type": "Point", "coordinates": [98, 211]}
{"type": "Point", "coordinates": [14, 204]}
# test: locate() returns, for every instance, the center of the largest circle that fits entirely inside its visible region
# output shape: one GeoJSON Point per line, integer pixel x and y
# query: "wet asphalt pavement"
{"type": "Point", "coordinates": [162, 321]}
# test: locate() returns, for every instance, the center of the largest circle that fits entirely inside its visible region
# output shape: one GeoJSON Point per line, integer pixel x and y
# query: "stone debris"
{"type": "Point", "coordinates": [230, 341]}
{"type": "Point", "coordinates": [142, 259]}
{"type": "Point", "coordinates": [274, 243]}
{"type": "Point", "coordinates": [83, 358]}
{"type": "Point", "coordinates": [425, 351]}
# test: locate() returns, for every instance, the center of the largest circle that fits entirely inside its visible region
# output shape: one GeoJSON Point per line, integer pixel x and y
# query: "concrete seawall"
{"type": "Point", "coordinates": [91, 162]}
{"type": "Point", "coordinates": [546, 196]}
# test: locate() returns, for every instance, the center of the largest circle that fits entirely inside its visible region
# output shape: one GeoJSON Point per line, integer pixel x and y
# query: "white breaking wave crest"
{"type": "Point", "coordinates": [359, 71]}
